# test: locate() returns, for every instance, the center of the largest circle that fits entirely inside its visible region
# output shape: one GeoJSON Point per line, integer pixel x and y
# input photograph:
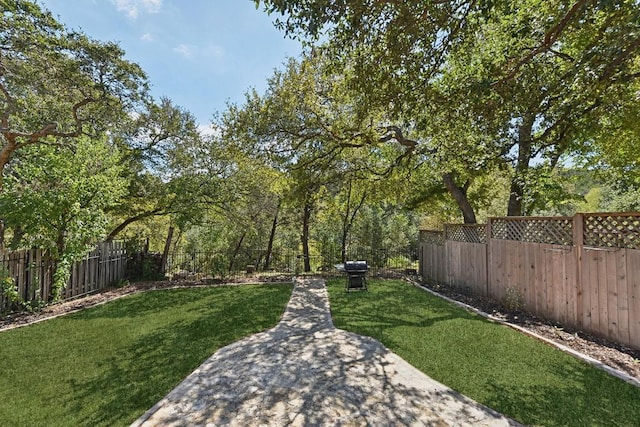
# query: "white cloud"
{"type": "Point", "coordinates": [132, 8]}
{"type": "Point", "coordinates": [146, 37]}
{"type": "Point", "coordinates": [209, 130]}
{"type": "Point", "coordinates": [190, 51]}
{"type": "Point", "coordinates": [185, 50]}
{"type": "Point", "coordinates": [215, 51]}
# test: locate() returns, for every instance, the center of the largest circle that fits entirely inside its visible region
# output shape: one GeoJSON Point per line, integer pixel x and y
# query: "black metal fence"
{"type": "Point", "coordinates": [257, 263]}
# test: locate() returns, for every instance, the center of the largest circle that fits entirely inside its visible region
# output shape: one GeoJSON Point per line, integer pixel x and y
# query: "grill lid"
{"type": "Point", "coordinates": [356, 266]}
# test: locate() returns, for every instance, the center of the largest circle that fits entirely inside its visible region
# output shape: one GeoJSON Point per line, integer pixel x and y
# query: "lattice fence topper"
{"type": "Point", "coordinates": [432, 237]}
{"type": "Point", "coordinates": [472, 233]}
{"type": "Point", "coordinates": [612, 230]}
{"type": "Point", "coordinates": [557, 231]}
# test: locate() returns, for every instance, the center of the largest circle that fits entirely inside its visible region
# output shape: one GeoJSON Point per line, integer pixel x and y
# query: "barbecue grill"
{"type": "Point", "coordinates": [356, 275]}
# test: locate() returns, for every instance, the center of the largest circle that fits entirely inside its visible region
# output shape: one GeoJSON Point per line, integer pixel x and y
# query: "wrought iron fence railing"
{"type": "Point", "coordinates": [251, 263]}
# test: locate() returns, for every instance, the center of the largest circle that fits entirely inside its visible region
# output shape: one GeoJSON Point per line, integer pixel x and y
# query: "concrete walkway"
{"type": "Point", "coordinates": [305, 372]}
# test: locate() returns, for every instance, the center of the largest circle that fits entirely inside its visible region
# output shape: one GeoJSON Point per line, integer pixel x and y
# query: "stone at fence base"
{"type": "Point", "coordinates": [180, 275]}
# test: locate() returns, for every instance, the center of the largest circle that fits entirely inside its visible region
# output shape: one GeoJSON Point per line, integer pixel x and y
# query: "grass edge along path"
{"type": "Point", "coordinates": [108, 364]}
{"type": "Point", "coordinates": [515, 374]}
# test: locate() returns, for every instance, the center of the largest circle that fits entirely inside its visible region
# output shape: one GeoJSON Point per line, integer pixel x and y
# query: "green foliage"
{"type": "Point", "coordinates": [57, 199]}
{"type": "Point", "coordinates": [57, 84]}
{"type": "Point", "coordinates": [171, 170]}
{"type": "Point", "coordinates": [8, 289]}
{"type": "Point", "coordinates": [489, 87]}
{"type": "Point", "coordinates": [513, 299]}
{"type": "Point", "coordinates": [13, 300]}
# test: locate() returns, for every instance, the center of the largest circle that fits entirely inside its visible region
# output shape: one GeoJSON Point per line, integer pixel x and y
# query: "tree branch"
{"type": "Point", "coordinates": [550, 37]}
{"type": "Point", "coordinates": [394, 132]}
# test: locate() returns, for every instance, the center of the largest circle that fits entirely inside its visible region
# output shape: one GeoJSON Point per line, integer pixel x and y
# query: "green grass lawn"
{"type": "Point", "coordinates": [107, 365]}
{"type": "Point", "coordinates": [506, 370]}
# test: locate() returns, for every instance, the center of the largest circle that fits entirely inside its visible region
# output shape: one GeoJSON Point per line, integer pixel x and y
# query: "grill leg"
{"type": "Point", "coordinates": [356, 281]}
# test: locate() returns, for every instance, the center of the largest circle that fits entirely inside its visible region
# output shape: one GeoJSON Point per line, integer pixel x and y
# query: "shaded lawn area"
{"type": "Point", "coordinates": [506, 370]}
{"type": "Point", "coordinates": [107, 365]}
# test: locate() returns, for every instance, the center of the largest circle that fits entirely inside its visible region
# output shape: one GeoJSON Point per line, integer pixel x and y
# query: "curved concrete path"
{"type": "Point", "coordinates": [305, 372]}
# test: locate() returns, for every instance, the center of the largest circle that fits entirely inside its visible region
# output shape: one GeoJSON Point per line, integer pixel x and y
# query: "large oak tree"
{"type": "Point", "coordinates": [57, 85]}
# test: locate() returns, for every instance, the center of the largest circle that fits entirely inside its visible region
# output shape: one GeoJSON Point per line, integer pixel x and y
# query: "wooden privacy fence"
{"type": "Point", "coordinates": [31, 271]}
{"type": "Point", "coordinates": [581, 271]}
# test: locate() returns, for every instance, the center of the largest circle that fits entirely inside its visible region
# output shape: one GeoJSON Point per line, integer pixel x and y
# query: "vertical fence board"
{"type": "Point", "coordinates": [570, 288]}
{"type": "Point", "coordinates": [595, 261]}
{"type": "Point", "coordinates": [47, 278]}
{"type": "Point", "coordinates": [611, 284]}
{"type": "Point", "coordinates": [452, 251]}
{"type": "Point", "coordinates": [85, 274]}
{"type": "Point", "coordinates": [20, 274]}
{"type": "Point", "coordinates": [578, 250]}
{"type": "Point", "coordinates": [633, 283]}
{"type": "Point", "coordinates": [30, 276]}
{"type": "Point", "coordinates": [478, 267]}
{"type": "Point", "coordinates": [93, 272]}
{"type": "Point", "coordinates": [552, 282]}
{"type": "Point", "coordinates": [623, 296]}
{"type": "Point", "coordinates": [602, 294]}
{"type": "Point", "coordinates": [511, 265]}
{"type": "Point", "coordinates": [39, 272]}
{"type": "Point", "coordinates": [585, 268]}
{"type": "Point", "coordinates": [496, 268]}
{"type": "Point", "coordinates": [547, 286]}
{"type": "Point", "coordinates": [539, 295]}
{"type": "Point", "coordinates": [519, 261]}
{"type": "Point", "coordinates": [528, 273]}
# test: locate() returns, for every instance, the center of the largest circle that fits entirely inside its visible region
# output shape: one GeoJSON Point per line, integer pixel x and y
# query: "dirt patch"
{"type": "Point", "coordinates": [12, 320]}
{"type": "Point", "coordinates": [615, 355]}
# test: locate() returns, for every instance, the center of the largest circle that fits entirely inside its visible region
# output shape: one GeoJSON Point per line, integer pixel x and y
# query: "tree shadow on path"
{"type": "Point", "coordinates": [306, 372]}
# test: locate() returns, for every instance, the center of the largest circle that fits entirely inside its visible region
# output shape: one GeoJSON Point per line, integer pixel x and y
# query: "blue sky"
{"type": "Point", "coordinates": [198, 53]}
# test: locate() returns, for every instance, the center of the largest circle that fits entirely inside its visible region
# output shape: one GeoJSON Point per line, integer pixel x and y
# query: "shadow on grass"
{"type": "Point", "coordinates": [495, 365]}
{"type": "Point", "coordinates": [383, 309]}
{"type": "Point", "coordinates": [306, 372]}
{"type": "Point", "coordinates": [138, 376]}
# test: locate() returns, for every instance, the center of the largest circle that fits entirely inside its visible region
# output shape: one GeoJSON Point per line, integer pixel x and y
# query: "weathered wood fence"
{"type": "Point", "coordinates": [581, 271]}
{"type": "Point", "coordinates": [31, 271]}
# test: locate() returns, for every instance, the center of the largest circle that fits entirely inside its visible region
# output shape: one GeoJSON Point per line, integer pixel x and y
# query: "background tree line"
{"type": "Point", "coordinates": [398, 115]}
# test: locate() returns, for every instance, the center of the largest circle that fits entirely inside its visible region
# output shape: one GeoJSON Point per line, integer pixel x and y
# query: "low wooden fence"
{"type": "Point", "coordinates": [581, 271]}
{"type": "Point", "coordinates": [31, 271]}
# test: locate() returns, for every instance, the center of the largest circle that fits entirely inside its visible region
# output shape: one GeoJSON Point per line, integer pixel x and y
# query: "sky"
{"type": "Point", "coordinates": [198, 53]}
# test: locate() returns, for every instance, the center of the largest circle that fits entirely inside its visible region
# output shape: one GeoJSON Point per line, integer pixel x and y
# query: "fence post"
{"type": "Point", "coordinates": [446, 259]}
{"type": "Point", "coordinates": [578, 243]}
{"type": "Point", "coordinates": [420, 255]}
{"type": "Point", "coordinates": [488, 235]}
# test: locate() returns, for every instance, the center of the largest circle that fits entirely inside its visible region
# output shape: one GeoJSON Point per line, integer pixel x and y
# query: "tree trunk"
{"type": "Point", "coordinates": [347, 223]}
{"type": "Point", "coordinates": [343, 245]}
{"type": "Point", "coordinates": [1, 237]}
{"type": "Point", "coordinates": [18, 233]}
{"type": "Point", "coordinates": [236, 251]}
{"type": "Point", "coordinates": [58, 278]}
{"type": "Point", "coordinates": [517, 189]}
{"type": "Point", "coordinates": [5, 154]}
{"type": "Point", "coordinates": [165, 252]}
{"type": "Point", "coordinates": [459, 194]}
{"type": "Point", "coordinates": [272, 235]}
{"type": "Point", "coordinates": [305, 236]}
{"type": "Point", "coordinates": [130, 220]}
